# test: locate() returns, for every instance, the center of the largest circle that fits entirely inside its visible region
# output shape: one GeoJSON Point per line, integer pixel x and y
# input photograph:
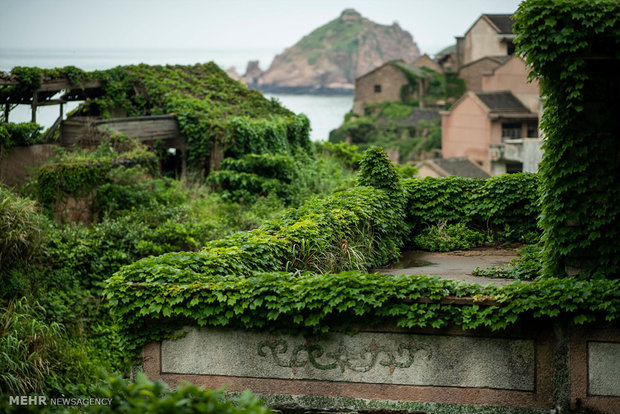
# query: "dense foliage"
{"type": "Point", "coordinates": [444, 237]}
{"type": "Point", "coordinates": [572, 48]}
{"type": "Point", "coordinates": [58, 269]}
{"type": "Point", "coordinates": [505, 208]}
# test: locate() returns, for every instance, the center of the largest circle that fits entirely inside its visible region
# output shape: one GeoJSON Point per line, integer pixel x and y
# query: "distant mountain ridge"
{"type": "Point", "coordinates": [334, 55]}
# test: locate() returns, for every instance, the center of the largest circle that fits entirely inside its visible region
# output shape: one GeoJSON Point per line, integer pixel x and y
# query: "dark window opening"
{"type": "Point", "coordinates": [510, 48]}
{"type": "Point", "coordinates": [172, 163]}
{"type": "Point", "coordinates": [377, 88]}
{"type": "Point", "coordinates": [511, 130]}
{"type": "Point", "coordinates": [512, 168]}
{"type": "Point", "coordinates": [532, 131]}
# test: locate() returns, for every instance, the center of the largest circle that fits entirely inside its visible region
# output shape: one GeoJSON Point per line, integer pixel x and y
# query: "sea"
{"type": "Point", "coordinates": [325, 112]}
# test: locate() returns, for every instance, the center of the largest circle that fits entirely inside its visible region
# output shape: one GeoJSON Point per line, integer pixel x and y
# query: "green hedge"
{"type": "Point", "coordinates": [506, 206]}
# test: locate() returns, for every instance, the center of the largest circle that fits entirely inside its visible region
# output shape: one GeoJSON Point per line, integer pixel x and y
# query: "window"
{"type": "Point", "coordinates": [510, 48]}
{"type": "Point", "coordinates": [532, 131]}
{"type": "Point", "coordinates": [511, 130]}
{"type": "Point", "coordinates": [514, 168]}
{"type": "Point", "coordinates": [377, 88]}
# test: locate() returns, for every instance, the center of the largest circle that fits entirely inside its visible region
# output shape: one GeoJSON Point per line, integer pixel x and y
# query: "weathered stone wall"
{"type": "Point", "coordinates": [534, 367]}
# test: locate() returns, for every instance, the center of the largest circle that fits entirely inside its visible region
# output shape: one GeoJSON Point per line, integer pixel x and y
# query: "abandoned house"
{"type": "Point", "coordinates": [389, 82]}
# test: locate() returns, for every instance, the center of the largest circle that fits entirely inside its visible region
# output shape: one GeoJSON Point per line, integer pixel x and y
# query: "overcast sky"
{"type": "Point", "coordinates": [219, 24]}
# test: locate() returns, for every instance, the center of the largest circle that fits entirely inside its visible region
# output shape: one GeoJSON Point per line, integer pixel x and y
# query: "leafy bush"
{"type": "Point", "coordinates": [78, 173]}
{"type": "Point", "coordinates": [347, 153]}
{"type": "Point", "coordinates": [444, 237]}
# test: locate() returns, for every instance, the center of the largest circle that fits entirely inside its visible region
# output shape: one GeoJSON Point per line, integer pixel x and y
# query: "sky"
{"type": "Point", "coordinates": [222, 24]}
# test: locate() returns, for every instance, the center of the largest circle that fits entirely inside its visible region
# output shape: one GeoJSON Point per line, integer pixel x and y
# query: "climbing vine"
{"type": "Point", "coordinates": [572, 49]}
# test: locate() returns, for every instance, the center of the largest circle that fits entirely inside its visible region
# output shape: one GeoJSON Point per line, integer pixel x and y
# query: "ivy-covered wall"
{"type": "Point", "coordinates": [572, 49]}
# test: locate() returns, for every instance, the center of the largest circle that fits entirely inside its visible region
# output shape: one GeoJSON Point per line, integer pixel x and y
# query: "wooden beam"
{"type": "Point", "coordinates": [35, 97]}
{"type": "Point", "coordinates": [51, 102]}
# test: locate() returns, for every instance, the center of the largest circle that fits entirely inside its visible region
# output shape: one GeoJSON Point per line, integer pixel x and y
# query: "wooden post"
{"type": "Point", "coordinates": [183, 161]}
{"type": "Point", "coordinates": [61, 111]}
{"type": "Point", "coordinates": [7, 109]}
{"type": "Point", "coordinates": [34, 106]}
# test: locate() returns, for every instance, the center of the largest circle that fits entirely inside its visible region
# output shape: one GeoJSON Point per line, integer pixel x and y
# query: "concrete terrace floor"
{"type": "Point", "coordinates": [457, 265]}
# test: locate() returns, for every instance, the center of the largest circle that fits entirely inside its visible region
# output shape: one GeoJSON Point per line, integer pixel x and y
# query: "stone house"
{"type": "Point", "coordinates": [388, 83]}
{"type": "Point", "coordinates": [490, 35]}
{"type": "Point", "coordinates": [425, 61]}
{"type": "Point", "coordinates": [482, 123]}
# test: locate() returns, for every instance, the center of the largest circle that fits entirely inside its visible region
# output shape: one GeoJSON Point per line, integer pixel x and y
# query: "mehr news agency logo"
{"type": "Point", "coordinates": [59, 401]}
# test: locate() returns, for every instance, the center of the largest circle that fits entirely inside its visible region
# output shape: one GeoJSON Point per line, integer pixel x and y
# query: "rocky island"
{"type": "Point", "coordinates": [330, 58]}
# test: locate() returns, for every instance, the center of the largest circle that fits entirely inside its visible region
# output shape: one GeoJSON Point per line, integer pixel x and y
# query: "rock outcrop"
{"type": "Point", "coordinates": [334, 55]}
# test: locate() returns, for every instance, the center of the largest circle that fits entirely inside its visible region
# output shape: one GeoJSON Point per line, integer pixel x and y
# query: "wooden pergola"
{"type": "Point", "coordinates": [12, 94]}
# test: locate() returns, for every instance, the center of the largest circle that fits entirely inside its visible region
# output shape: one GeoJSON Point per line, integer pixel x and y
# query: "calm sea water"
{"type": "Point", "coordinates": [325, 112]}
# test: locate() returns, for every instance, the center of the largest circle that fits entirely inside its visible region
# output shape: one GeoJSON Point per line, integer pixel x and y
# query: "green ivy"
{"type": "Point", "coordinates": [319, 303]}
{"type": "Point", "coordinates": [572, 49]}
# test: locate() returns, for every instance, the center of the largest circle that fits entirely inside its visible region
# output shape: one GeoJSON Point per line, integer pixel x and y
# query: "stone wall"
{"type": "Point", "coordinates": [534, 367]}
{"type": "Point", "coordinates": [18, 163]}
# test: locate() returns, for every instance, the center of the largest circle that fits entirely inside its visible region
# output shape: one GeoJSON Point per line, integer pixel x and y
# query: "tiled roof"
{"type": "Point", "coordinates": [503, 22]}
{"type": "Point", "coordinates": [503, 101]}
{"type": "Point", "coordinates": [460, 166]}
